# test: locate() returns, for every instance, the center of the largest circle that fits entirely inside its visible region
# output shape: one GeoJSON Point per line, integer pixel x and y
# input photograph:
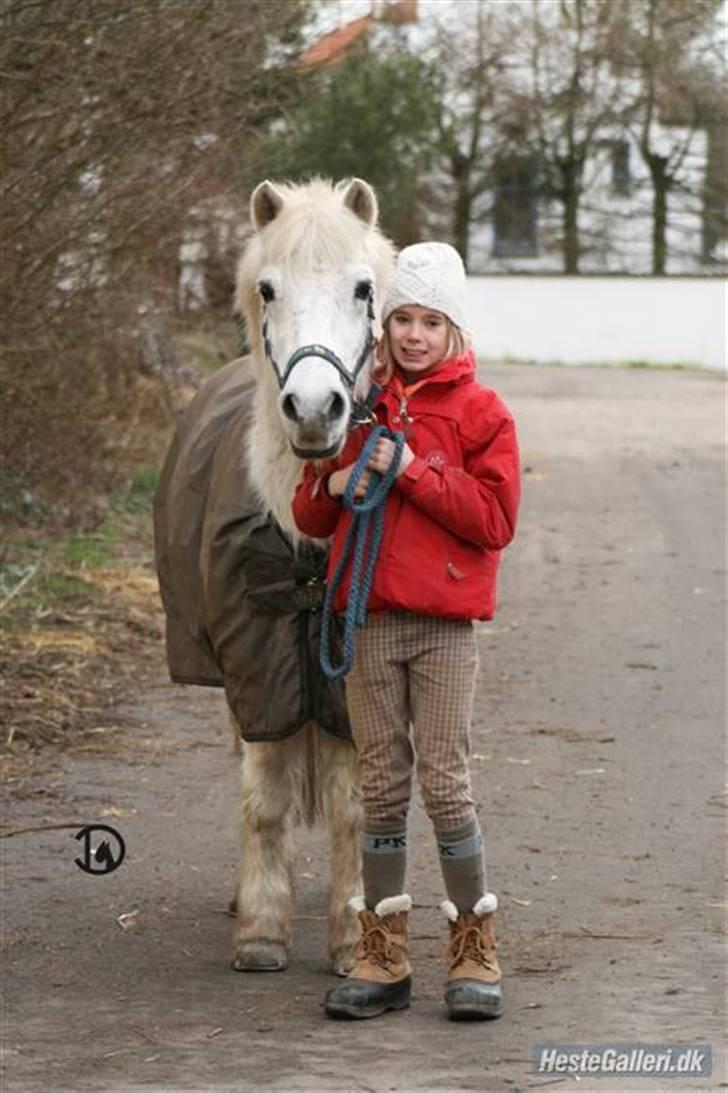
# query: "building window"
{"type": "Point", "coordinates": [621, 177]}
{"type": "Point", "coordinates": [515, 213]}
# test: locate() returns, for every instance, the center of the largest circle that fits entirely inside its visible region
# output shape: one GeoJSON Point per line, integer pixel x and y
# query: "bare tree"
{"type": "Point", "coordinates": [118, 116]}
{"type": "Point", "coordinates": [475, 104]}
{"type": "Point", "coordinates": [666, 46]}
{"type": "Point", "coordinates": [541, 96]}
{"type": "Point", "coordinates": [575, 94]}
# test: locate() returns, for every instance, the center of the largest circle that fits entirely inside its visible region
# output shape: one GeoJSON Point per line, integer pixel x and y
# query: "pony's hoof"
{"type": "Point", "coordinates": [342, 961]}
{"type": "Point", "coordinates": [260, 956]}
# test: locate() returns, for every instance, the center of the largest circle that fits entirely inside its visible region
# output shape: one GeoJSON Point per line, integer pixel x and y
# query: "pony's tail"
{"type": "Point", "coordinates": [311, 782]}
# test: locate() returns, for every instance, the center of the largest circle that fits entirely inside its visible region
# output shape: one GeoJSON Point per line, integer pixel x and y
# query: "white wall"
{"type": "Point", "coordinates": [599, 320]}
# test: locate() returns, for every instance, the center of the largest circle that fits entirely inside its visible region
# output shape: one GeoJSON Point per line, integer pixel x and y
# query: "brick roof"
{"type": "Point", "coordinates": [334, 45]}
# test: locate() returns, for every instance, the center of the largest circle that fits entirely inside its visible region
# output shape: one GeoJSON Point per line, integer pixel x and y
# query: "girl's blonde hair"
{"type": "Point", "coordinates": [458, 341]}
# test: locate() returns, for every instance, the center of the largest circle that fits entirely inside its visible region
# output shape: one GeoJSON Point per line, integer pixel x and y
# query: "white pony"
{"type": "Point", "coordinates": [309, 284]}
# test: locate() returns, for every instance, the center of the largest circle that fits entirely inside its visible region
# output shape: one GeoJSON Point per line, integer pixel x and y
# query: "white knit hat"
{"type": "Point", "coordinates": [431, 275]}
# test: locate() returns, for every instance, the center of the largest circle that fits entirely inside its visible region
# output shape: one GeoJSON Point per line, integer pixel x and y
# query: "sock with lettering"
{"type": "Point", "coordinates": [462, 861]}
{"type": "Point", "coordinates": [384, 860]}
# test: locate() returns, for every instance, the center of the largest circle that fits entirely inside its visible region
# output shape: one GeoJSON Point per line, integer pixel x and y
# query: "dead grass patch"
{"type": "Point", "coordinates": [76, 640]}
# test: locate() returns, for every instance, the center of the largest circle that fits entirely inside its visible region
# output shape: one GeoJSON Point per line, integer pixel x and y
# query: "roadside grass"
{"type": "Point", "coordinates": [80, 622]}
{"type": "Point", "coordinates": [657, 366]}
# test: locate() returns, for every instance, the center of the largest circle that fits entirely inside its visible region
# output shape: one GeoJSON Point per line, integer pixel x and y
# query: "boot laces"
{"type": "Point", "coordinates": [376, 945]}
{"type": "Point", "coordinates": [468, 942]}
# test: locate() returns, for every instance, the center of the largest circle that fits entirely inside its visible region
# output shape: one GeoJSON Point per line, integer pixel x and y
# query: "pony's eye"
{"type": "Point", "coordinates": [363, 290]}
{"type": "Point", "coordinates": [266, 290]}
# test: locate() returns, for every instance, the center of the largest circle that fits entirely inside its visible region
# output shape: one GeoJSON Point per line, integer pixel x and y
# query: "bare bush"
{"type": "Point", "coordinates": [119, 116]}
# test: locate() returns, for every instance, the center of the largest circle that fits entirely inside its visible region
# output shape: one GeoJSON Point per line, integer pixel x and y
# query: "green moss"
{"type": "Point", "coordinates": [66, 589]}
{"type": "Point", "coordinates": [672, 367]}
{"type": "Point", "coordinates": [91, 551]}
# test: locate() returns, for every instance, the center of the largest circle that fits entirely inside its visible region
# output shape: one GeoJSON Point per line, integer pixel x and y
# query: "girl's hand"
{"type": "Point", "coordinates": [338, 481]}
{"type": "Point", "coordinates": [382, 455]}
{"type": "Point", "coordinates": [379, 461]}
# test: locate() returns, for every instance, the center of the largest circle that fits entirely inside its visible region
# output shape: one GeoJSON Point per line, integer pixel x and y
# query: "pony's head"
{"type": "Point", "coordinates": [310, 285]}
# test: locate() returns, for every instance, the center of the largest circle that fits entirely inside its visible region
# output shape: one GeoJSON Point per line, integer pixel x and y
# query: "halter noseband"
{"type": "Point", "coordinates": [361, 412]}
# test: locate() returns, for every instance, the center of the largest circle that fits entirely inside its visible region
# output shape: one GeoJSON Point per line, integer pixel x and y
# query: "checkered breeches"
{"type": "Point", "coordinates": [410, 697]}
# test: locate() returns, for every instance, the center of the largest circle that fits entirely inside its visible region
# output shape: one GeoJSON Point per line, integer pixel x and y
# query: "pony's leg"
{"type": "Point", "coordinates": [342, 806]}
{"type": "Point", "coordinates": [265, 889]}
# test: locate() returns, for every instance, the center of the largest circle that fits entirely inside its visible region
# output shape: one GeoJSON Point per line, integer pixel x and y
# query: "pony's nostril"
{"type": "Point", "coordinates": [337, 407]}
{"type": "Point", "coordinates": [288, 406]}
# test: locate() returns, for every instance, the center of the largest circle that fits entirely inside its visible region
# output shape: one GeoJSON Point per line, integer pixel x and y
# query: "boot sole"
{"type": "Point", "coordinates": [357, 1010]}
{"type": "Point", "coordinates": [469, 1000]}
{"type": "Point", "coordinates": [474, 1013]}
{"type": "Point", "coordinates": [346, 1012]}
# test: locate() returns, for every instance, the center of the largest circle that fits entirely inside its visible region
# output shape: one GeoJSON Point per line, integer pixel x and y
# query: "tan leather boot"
{"type": "Point", "coordinates": [381, 978]}
{"type": "Point", "coordinates": [474, 976]}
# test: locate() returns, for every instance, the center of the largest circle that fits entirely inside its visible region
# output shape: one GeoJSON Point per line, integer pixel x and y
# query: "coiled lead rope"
{"type": "Point", "coordinates": [364, 537]}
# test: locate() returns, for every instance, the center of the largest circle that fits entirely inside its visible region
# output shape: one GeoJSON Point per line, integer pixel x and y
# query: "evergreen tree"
{"type": "Point", "coordinates": [374, 116]}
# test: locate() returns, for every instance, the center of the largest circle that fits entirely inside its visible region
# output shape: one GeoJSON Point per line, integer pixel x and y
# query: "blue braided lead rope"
{"type": "Point", "coordinates": [364, 536]}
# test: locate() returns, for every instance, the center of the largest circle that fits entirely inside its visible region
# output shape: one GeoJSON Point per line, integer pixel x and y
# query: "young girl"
{"type": "Point", "coordinates": [450, 512]}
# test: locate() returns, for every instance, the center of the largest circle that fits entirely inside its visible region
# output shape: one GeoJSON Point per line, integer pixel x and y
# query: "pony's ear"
{"type": "Point", "coordinates": [358, 196]}
{"type": "Point", "coordinates": [265, 204]}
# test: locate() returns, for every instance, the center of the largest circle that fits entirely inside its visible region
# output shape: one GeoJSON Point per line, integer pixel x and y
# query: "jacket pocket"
{"type": "Point", "coordinates": [470, 576]}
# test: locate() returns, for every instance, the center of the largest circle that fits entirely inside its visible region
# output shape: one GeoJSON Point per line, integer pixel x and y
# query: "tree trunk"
{"type": "Point", "coordinates": [463, 201]}
{"type": "Point", "coordinates": [570, 219]}
{"type": "Point", "coordinates": [660, 189]}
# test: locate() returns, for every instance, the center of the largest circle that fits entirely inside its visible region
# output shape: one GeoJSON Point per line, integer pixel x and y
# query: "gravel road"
{"type": "Point", "coordinates": [598, 759]}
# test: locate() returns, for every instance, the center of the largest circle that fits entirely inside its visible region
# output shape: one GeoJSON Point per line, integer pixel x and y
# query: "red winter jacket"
{"type": "Point", "coordinates": [451, 512]}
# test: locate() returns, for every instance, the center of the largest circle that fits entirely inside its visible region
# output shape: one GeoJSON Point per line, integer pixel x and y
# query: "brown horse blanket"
{"type": "Point", "coordinates": [243, 609]}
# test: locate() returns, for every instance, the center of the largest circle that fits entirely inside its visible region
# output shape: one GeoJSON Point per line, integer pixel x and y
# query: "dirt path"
{"type": "Point", "coordinates": [597, 757]}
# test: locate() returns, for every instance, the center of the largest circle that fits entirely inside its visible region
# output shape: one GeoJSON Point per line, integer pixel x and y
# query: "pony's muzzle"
{"type": "Point", "coordinates": [331, 414]}
{"type": "Point", "coordinates": [316, 426]}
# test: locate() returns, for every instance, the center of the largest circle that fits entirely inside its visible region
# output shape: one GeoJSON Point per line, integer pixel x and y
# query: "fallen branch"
{"type": "Point", "coordinates": [39, 827]}
{"type": "Point", "coordinates": [19, 587]}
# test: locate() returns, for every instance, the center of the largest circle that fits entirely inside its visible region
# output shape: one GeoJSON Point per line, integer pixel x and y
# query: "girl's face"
{"type": "Point", "coordinates": [418, 337]}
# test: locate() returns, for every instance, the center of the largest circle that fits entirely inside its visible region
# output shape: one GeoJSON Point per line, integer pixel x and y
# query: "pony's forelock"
{"type": "Point", "coordinates": [314, 228]}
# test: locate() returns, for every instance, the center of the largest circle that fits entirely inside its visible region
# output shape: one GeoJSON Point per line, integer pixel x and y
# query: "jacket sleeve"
{"type": "Point", "coordinates": [479, 501]}
{"type": "Point", "coordinates": [316, 514]}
